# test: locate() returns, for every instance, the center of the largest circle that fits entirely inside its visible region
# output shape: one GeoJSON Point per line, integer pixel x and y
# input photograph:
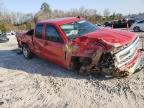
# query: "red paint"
{"type": "Point", "coordinates": [105, 39]}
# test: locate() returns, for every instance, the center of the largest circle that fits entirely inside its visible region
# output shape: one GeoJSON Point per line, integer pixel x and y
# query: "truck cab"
{"type": "Point", "coordinates": [75, 43]}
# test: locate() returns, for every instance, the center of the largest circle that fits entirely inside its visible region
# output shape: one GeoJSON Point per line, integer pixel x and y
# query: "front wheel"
{"type": "Point", "coordinates": [26, 51]}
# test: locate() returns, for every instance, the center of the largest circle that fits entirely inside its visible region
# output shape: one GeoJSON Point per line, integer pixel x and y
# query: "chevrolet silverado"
{"type": "Point", "coordinates": [77, 44]}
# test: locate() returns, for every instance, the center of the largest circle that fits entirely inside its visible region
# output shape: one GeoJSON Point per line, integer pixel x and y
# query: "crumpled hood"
{"type": "Point", "coordinates": [115, 38]}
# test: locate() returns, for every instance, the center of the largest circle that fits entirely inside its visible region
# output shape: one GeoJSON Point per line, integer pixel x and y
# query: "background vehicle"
{"type": "Point", "coordinates": [120, 23]}
{"type": "Point", "coordinates": [99, 25]}
{"type": "Point", "coordinates": [77, 44]}
{"type": "Point", "coordinates": [3, 38]}
{"type": "Point", "coordinates": [138, 26]}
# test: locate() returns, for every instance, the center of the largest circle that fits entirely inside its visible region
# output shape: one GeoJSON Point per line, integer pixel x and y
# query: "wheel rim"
{"type": "Point", "coordinates": [25, 52]}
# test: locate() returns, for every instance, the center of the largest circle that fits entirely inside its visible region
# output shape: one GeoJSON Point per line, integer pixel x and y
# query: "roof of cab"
{"type": "Point", "coordinates": [61, 21]}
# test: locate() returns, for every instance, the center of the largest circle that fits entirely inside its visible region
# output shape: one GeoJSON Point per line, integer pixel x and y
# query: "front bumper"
{"type": "Point", "coordinates": [133, 66]}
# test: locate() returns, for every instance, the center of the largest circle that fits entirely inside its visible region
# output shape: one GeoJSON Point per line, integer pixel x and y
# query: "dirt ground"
{"type": "Point", "coordinates": [37, 83]}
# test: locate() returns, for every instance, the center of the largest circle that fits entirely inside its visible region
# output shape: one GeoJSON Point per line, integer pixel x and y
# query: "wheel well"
{"type": "Point", "coordinates": [77, 62]}
{"type": "Point", "coordinates": [103, 61]}
{"type": "Point", "coordinates": [30, 54]}
{"type": "Point", "coordinates": [24, 43]}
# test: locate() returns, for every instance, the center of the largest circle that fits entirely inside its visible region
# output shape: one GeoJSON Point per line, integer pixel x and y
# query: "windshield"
{"type": "Point", "coordinates": [75, 29]}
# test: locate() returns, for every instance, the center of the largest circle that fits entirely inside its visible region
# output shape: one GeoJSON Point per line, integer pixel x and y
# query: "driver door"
{"type": "Point", "coordinates": [54, 45]}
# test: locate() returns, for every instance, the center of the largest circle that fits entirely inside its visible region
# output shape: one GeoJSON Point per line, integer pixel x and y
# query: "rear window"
{"type": "Point", "coordinates": [38, 31]}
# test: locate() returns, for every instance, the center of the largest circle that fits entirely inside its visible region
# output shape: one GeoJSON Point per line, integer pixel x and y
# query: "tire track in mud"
{"type": "Point", "coordinates": [33, 92]}
{"type": "Point", "coordinates": [38, 91]}
{"type": "Point", "coordinates": [14, 90]}
{"type": "Point", "coordinates": [18, 85]}
{"type": "Point", "coordinates": [122, 88]}
{"type": "Point", "coordinates": [38, 84]}
{"type": "Point", "coordinates": [53, 86]}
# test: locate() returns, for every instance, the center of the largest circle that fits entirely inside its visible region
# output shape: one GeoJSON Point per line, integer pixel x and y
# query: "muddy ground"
{"type": "Point", "coordinates": [37, 83]}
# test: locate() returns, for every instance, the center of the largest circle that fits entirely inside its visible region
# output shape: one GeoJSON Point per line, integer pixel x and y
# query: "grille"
{"type": "Point", "coordinates": [126, 55]}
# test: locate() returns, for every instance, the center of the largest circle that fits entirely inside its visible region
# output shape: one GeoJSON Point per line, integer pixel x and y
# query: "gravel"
{"type": "Point", "coordinates": [37, 83]}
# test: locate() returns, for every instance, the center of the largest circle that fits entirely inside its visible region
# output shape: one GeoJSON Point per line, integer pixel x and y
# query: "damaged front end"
{"type": "Point", "coordinates": [99, 57]}
{"type": "Point", "coordinates": [129, 59]}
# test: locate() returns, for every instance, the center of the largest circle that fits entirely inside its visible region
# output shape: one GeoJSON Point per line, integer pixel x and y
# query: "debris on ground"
{"type": "Point", "coordinates": [37, 83]}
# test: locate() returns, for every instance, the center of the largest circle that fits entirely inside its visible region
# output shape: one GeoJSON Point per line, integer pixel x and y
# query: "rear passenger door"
{"type": "Point", "coordinates": [54, 45]}
{"type": "Point", "coordinates": [38, 40]}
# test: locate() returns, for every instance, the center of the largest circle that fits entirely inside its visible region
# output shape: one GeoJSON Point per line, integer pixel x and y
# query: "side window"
{"type": "Point", "coordinates": [52, 34]}
{"type": "Point", "coordinates": [38, 32]}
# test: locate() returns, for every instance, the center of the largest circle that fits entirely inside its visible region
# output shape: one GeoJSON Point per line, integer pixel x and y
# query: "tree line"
{"type": "Point", "coordinates": [21, 21]}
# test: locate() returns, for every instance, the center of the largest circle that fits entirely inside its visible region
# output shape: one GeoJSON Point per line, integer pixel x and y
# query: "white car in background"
{"type": "Point", "coordinates": [138, 26]}
{"type": "Point", "coordinates": [10, 33]}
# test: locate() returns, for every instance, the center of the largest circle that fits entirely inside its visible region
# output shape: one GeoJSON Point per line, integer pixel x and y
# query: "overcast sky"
{"type": "Point", "coordinates": [119, 6]}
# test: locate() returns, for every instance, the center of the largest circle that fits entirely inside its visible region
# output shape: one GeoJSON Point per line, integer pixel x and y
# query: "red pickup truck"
{"type": "Point", "coordinates": [77, 44]}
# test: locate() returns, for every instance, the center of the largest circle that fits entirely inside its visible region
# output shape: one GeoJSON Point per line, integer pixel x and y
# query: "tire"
{"type": "Point", "coordinates": [136, 29]}
{"type": "Point", "coordinates": [26, 52]}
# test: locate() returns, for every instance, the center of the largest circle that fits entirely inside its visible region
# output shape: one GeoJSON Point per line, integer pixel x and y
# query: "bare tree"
{"type": "Point", "coordinates": [1, 4]}
{"type": "Point", "coordinates": [26, 21]}
{"type": "Point", "coordinates": [106, 13]}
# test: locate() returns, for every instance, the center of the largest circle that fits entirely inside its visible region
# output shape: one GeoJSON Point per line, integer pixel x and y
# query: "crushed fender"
{"type": "Point", "coordinates": [91, 57]}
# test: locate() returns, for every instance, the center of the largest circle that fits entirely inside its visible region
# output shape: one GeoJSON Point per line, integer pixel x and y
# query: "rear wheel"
{"type": "Point", "coordinates": [26, 51]}
{"type": "Point", "coordinates": [136, 29]}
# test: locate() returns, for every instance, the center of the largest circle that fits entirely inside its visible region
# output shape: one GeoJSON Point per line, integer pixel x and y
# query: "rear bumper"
{"type": "Point", "coordinates": [131, 67]}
